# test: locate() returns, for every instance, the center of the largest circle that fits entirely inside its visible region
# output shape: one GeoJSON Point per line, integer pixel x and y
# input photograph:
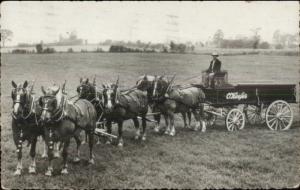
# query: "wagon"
{"type": "Point", "coordinates": [256, 103]}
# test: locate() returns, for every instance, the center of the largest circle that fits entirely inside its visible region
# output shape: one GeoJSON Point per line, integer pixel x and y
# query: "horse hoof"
{"type": "Point", "coordinates": [48, 173]}
{"type": "Point", "coordinates": [76, 160]}
{"type": "Point", "coordinates": [64, 171]}
{"type": "Point", "coordinates": [172, 133]}
{"type": "Point", "coordinates": [120, 145]}
{"type": "Point", "coordinates": [156, 129]}
{"type": "Point", "coordinates": [83, 142]}
{"type": "Point", "coordinates": [136, 137]}
{"type": "Point", "coordinates": [17, 172]}
{"type": "Point", "coordinates": [44, 155]}
{"type": "Point", "coordinates": [91, 161]}
{"type": "Point", "coordinates": [32, 170]}
{"type": "Point", "coordinates": [167, 132]}
{"type": "Point", "coordinates": [107, 142]}
{"type": "Point", "coordinates": [143, 138]}
{"type": "Point", "coordinates": [98, 142]}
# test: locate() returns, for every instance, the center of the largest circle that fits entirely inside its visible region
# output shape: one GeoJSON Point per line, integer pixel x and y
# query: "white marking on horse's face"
{"type": "Point", "coordinates": [17, 104]}
{"type": "Point", "coordinates": [109, 99]}
{"type": "Point", "coordinates": [154, 88]}
{"type": "Point", "coordinates": [44, 112]}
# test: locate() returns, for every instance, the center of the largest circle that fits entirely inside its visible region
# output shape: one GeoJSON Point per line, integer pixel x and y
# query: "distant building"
{"type": "Point", "coordinates": [71, 40]}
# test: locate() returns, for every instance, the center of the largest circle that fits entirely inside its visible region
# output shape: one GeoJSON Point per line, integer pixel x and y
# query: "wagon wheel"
{"type": "Point", "coordinates": [235, 120]}
{"type": "Point", "coordinates": [254, 114]}
{"type": "Point", "coordinates": [279, 115]}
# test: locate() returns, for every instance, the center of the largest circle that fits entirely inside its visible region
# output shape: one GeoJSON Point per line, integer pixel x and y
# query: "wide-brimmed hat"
{"type": "Point", "coordinates": [214, 54]}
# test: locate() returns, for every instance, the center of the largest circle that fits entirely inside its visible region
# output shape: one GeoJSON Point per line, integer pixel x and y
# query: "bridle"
{"type": "Point", "coordinates": [60, 108]}
{"type": "Point", "coordinates": [30, 110]}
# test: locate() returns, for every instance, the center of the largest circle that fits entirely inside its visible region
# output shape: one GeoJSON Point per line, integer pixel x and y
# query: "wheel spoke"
{"type": "Point", "coordinates": [272, 119]}
{"type": "Point", "coordinates": [272, 124]}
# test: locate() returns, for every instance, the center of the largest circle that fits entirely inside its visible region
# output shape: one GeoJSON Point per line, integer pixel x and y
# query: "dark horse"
{"type": "Point", "coordinates": [63, 119]}
{"type": "Point", "coordinates": [119, 107]}
{"type": "Point", "coordinates": [25, 116]}
{"type": "Point", "coordinates": [147, 83]}
{"type": "Point", "coordinates": [87, 90]}
{"type": "Point", "coordinates": [170, 100]}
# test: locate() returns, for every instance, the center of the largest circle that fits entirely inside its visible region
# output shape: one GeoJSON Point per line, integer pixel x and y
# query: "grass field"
{"type": "Point", "coordinates": [252, 158]}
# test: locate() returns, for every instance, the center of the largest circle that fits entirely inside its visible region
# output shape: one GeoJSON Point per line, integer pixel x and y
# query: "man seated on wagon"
{"type": "Point", "coordinates": [214, 67]}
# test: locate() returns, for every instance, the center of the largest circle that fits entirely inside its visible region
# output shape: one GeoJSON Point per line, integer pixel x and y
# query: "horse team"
{"type": "Point", "coordinates": [58, 118]}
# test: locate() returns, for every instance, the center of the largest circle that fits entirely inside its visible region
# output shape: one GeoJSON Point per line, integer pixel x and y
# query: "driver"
{"type": "Point", "coordinates": [214, 67]}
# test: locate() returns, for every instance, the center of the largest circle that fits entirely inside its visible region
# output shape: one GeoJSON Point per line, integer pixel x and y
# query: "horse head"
{"type": "Point", "coordinates": [49, 103]}
{"type": "Point", "coordinates": [160, 86]}
{"type": "Point", "coordinates": [110, 96]}
{"type": "Point", "coordinates": [19, 96]}
{"type": "Point", "coordinates": [86, 90]}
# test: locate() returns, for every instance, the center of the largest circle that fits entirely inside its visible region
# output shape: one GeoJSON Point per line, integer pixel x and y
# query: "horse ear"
{"type": "Point", "coordinates": [43, 90]}
{"type": "Point", "coordinates": [87, 80]}
{"type": "Point", "coordinates": [103, 86]}
{"type": "Point", "coordinates": [56, 91]}
{"type": "Point", "coordinates": [25, 84]}
{"type": "Point", "coordinates": [161, 77]}
{"type": "Point", "coordinates": [80, 79]}
{"type": "Point", "coordinates": [145, 77]}
{"type": "Point", "coordinates": [14, 84]}
{"type": "Point", "coordinates": [94, 81]}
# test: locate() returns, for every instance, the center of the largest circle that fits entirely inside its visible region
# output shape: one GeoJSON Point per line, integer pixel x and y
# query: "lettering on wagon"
{"type": "Point", "coordinates": [236, 96]}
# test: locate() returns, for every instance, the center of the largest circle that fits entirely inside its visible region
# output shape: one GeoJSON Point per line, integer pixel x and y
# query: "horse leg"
{"type": "Point", "coordinates": [189, 118]}
{"type": "Point", "coordinates": [50, 144]}
{"type": "Point", "coordinates": [196, 115]}
{"type": "Point", "coordinates": [167, 132]}
{"type": "Point", "coordinates": [86, 138]}
{"type": "Point", "coordinates": [78, 143]}
{"type": "Point", "coordinates": [18, 141]}
{"type": "Point", "coordinates": [201, 118]}
{"type": "Point", "coordinates": [184, 119]}
{"type": "Point", "coordinates": [56, 151]}
{"type": "Point", "coordinates": [144, 124]}
{"type": "Point", "coordinates": [120, 131]}
{"type": "Point", "coordinates": [91, 144]}
{"type": "Point", "coordinates": [32, 167]}
{"type": "Point", "coordinates": [65, 156]}
{"type": "Point", "coordinates": [172, 132]}
{"type": "Point", "coordinates": [109, 139]}
{"type": "Point", "coordinates": [137, 128]}
{"type": "Point", "coordinates": [157, 124]}
{"type": "Point", "coordinates": [45, 155]}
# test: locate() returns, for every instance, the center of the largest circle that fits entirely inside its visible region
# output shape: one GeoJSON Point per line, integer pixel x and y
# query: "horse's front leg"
{"type": "Point", "coordinates": [50, 144]}
{"type": "Point", "coordinates": [65, 156]}
{"type": "Point", "coordinates": [172, 132]}
{"type": "Point", "coordinates": [32, 167]}
{"type": "Point", "coordinates": [120, 131]}
{"type": "Point", "coordinates": [91, 144]}
{"type": "Point", "coordinates": [189, 114]}
{"type": "Point", "coordinates": [18, 138]}
{"type": "Point", "coordinates": [144, 124]}
{"type": "Point", "coordinates": [108, 126]}
{"type": "Point", "coordinates": [184, 119]}
{"type": "Point", "coordinates": [167, 131]}
{"type": "Point", "coordinates": [157, 124]}
{"type": "Point", "coordinates": [137, 128]}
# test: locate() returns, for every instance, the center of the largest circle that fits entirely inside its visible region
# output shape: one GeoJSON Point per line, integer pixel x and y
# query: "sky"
{"type": "Point", "coordinates": [32, 22]}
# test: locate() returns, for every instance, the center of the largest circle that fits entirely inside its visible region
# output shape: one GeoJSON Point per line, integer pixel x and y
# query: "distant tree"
{"type": "Point", "coordinates": [256, 37]}
{"type": "Point", "coordinates": [264, 45]}
{"type": "Point", "coordinates": [276, 37]}
{"type": "Point", "coordinates": [6, 35]}
{"type": "Point", "coordinates": [218, 37]}
{"type": "Point", "coordinates": [39, 48]}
